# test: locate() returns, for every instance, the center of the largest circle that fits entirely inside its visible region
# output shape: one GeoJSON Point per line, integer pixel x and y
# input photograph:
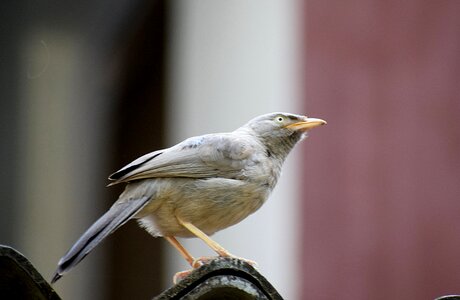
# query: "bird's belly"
{"type": "Point", "coordinates": [209, 204]}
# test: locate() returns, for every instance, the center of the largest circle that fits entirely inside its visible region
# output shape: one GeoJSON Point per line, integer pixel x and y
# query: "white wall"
{"type": "Point", "coordinates": [231, 61]}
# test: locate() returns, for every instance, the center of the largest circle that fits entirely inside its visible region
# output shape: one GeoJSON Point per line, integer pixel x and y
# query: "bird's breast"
{"type": "Point", "coordinates": [210, 204]}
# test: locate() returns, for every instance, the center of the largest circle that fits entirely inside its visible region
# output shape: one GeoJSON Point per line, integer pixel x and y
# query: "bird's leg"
{"type": "Point", "coordinates": [205, 238]}
{"type": "Point", "coordinates": [211, 243]}
{"type": "Point", "coordinates": [195, 263]}
{"type": "Point", "coordinates": [185, 254]}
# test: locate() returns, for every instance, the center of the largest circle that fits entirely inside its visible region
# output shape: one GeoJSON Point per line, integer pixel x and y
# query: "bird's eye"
{"type": "Point", "coordinates": [279, 119]}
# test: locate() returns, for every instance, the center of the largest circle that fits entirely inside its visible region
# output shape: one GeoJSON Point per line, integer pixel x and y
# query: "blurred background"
{"type": "Point", "coordinates": [367, 207]}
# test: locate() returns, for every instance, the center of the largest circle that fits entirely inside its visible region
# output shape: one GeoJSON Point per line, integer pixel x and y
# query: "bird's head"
{"type": "Point", "coordinates": [280, 131]}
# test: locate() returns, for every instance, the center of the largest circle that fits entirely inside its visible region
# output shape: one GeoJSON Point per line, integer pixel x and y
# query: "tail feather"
{"type": "Point", "coordinates": [117, 215]}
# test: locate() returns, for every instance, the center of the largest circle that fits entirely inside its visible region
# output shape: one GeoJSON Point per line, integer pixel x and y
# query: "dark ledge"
{"type": "Point", "coordinates": [222, 278]}
{"type": "Point", "coordinates": [20, 280]}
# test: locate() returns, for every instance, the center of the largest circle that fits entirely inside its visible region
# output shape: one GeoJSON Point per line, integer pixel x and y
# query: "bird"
{"type": "Point", "coordinates": [199, 186]}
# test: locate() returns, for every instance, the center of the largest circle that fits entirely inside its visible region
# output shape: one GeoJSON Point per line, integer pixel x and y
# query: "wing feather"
{"type": "Point", "coordinates": [213, 155]}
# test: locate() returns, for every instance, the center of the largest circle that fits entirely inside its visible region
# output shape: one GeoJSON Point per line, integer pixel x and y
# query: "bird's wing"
{"type": "Point", "coordinates": [212, 155]}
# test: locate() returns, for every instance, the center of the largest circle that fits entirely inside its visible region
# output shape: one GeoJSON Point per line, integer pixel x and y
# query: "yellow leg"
{"type": "Point", "coordinates": [185, 254]}
{"type": "Point", "coordinates": [205, 238]}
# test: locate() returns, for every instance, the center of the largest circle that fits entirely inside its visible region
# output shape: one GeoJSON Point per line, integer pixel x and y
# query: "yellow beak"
{"type": "Point", "coordinates": [306, 125]}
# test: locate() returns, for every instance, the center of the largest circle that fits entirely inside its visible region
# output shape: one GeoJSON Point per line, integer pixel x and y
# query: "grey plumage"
{"type": "Point", "coordinates": [118, 214]}
{"type": "Point", "coordinates": [212, 181]}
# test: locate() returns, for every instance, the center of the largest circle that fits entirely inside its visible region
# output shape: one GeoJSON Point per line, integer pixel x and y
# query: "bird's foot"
{"type": "Point", "coordinates": [200, 261]}
{"type": "Point", "coordinates": [181, 275]}
{"type": "Point", "coordinates": [196, 264]}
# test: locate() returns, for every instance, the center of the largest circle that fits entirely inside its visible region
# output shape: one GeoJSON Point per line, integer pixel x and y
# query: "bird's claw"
{"type": "Point", "coordinates": [200, 261]}
{"type": "Point", "coordinates": [181, 275]}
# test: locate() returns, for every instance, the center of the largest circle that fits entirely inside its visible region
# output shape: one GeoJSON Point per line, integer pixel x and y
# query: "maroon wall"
{"type": "Point", "coordinates": [381, 199]}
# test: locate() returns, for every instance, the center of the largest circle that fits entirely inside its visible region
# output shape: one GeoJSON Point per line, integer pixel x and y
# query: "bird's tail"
{"type": "Point", "coordinates": [117, 215]}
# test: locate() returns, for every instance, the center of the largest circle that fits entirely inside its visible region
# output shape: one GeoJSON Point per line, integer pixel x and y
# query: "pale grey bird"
{"type": "Point", "coordinates": [199, 186]}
